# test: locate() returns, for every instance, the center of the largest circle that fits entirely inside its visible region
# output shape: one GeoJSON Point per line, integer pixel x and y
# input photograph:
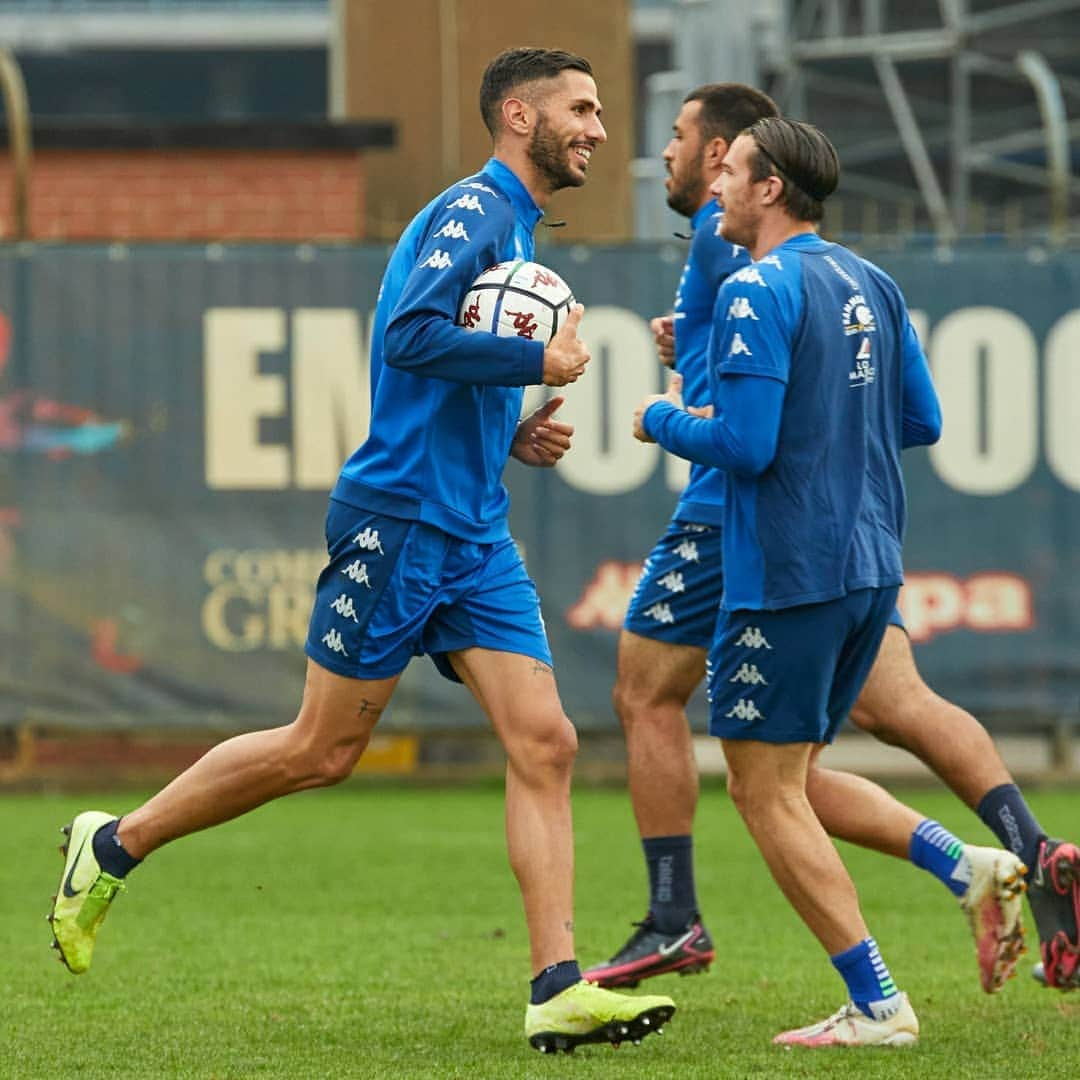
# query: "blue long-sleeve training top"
{"type": "Point", "coordinates": [445, 400]}
{"type": "Point", "coordinates": [818, 381]}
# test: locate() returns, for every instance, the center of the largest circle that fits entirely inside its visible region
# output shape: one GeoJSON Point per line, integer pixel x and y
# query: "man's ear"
{"type": "Point", "coordinates": [516, 115]}
{"type": "Point", "coordinates": [715, 149]}
{"type": "Point", "coordinates": [774, 188]}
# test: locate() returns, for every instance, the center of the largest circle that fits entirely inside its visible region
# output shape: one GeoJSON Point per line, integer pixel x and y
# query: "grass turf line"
{"type": "Point", "coordinates": [375, 931]}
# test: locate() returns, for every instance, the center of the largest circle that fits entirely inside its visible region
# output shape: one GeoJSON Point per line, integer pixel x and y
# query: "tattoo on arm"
{"type": "Point", "coordinates": [541, 669]}
{"type": "Point", "coordinates": [568, 926]}
{"type": "Point", "coordinates": [369, 709]}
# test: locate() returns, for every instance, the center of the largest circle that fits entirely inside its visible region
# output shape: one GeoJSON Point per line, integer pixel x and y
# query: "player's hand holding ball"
{"type": "Point", "coordinates": [566, 354]}
{"type": "Point", "coordinates": [673, 396]}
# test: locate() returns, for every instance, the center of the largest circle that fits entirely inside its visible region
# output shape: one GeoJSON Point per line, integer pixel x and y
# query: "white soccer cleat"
{"type": "Point", "coordinates": [994, 906]}
{"type": "Point", "coordinates": [894, 1025]}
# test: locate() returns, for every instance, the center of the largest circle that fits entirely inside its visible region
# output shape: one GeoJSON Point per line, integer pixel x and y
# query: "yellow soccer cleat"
{"type": "Point", "coordinates": [585, 1013]}
{"type": "Point", "coordinates": [85, 893]}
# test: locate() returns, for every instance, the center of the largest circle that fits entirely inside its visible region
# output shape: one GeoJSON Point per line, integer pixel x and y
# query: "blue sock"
{"type": "Point", "coordinates": [110, 853]}
{"type": "Point", "coordinates": [672, 901]}
{"type": "Point", "coordinates": [1006, 814]}
{"type": "Point", "coordinates": [865, 974]}
{"type": "Point", "coordinates": [934, 848]}
{"type": "Point", "coordinates": [553, 980]}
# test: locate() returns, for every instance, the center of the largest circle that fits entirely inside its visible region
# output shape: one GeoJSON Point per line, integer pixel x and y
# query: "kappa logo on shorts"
{"type": "Point", "coordinates": [357, 571]}
{"type": "Point", "coordinates": [745, 710]}
{"type": "Point", "coordinates": [687, 551]}
{"type": "Point", "coordinates": [343, 605]}
{"type": "Point", "coordinates": [368, 540]}
{"type": "Point", "coordinates": [661, 613]}
{"type": "Point", "coordinates": [673, 582]}
{"type": "Point", "coordinates": [749, 673]}
{"type": "Point", "coordinates": [332, 640]}
{"type": "Point", "coordinates": [752, 638]}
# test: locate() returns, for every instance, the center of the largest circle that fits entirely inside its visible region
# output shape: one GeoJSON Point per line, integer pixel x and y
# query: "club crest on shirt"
{"type": "Point", "coordinates": [857, 316]}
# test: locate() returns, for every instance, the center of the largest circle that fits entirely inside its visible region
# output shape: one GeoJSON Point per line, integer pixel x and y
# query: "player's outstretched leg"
{"type": "Point", "coordinates": [584, 1013]}
{"type": "Point", "coordinates": [1054, 894]}
{"type": "Point", "coordinates": [650, 951]}
{"type": "Point", "coordinates": [993, 904]}
{"type": "Point", "coordinates": [84, 894]}
{"type": "Point", "coordinates": [850, 1026]}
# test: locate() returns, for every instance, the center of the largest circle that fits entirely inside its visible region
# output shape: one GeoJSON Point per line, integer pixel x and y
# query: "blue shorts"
{"type": "Point", "coordinates": [395, 589]}
{"type": "Point", "coordinates": [677, 597]}
{"type": "Point", "coordinates": [792, 676]}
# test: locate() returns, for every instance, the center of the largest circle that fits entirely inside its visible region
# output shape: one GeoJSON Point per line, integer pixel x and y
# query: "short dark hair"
{"type": "Point", "coordinates": [802, 157]}
{"type": "Point", "coordinates": [728, 108]}
{"type": "Point", "coordinates": [514, 67]}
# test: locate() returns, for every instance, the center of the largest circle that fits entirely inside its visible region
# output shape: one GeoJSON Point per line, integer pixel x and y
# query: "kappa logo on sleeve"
{"type": "Point", "coordinates": [467, 202]}
{"type": "Point", "coordinates": [438, 260]}
{"type": "Point", "coordinates": [739, 347]}
{"type": "Point", "coordinates": [453, 230]}
{"type": "Point", "coordinates": [742, 309]}
{"type": "Point", "coordinates": [749, 274]}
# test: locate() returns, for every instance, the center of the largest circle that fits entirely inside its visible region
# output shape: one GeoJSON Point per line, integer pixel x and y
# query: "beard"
{"type": "Point", "coordinates": [549, 155]}
{"type": "Point", "coordinates": [743, 233]}
{"type": "Point", "coordinates": [687, 195]}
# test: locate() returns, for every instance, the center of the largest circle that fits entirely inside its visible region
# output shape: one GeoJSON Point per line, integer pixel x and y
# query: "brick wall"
{"type": "Point", "coordinates": [191, 194]}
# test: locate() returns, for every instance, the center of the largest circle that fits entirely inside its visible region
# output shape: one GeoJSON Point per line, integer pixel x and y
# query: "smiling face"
{"type": "Point", "coordinates": [684, 159]}
{"type": "Point", "coordinates": [565, 129]}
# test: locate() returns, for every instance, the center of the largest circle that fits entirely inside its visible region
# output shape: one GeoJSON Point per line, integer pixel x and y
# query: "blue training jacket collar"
{"type": "Point", "coordinates": [703, 212]}
{"type": "Point", "coordinates": [507, 181]}
{"type": "Point", "coordinates": [807, 241]}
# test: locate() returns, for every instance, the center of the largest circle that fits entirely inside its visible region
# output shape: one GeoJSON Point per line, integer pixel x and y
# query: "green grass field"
{"type": "Point", "coordinates": [375, 931]}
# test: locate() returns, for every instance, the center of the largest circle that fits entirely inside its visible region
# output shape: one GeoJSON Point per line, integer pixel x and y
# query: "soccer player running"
{"type": "Point", "coordinates": [421, 560]}
{"type": "Point", "coordinates": [662, 659]}
{"type": "Point", "coordinates": [817, 380]}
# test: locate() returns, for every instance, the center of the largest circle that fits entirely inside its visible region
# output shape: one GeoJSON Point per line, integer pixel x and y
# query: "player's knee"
{"type": "Point", "coordinates": [315, 765]}
{"type": "Point", "coordinates": [737, 791]}
{"type": "Point", "coordinates": [890, 723]}
{"type": "Point", "coordinates": [754, 801]}
{"type": "Point", "coordinates": [868, 720]}
{"type": "Point", "coordinates": [338, 763]}
{"type": "Point", "coordinates": [641, 703]}
{"type": "Point", "coordinates": [548, 747]}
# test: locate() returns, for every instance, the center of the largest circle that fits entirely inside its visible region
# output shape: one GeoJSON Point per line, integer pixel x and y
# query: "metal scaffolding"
{"type": "Point", "coordinates": [955, 110]}
{"type": "Point", "coordinates": [950, 116]}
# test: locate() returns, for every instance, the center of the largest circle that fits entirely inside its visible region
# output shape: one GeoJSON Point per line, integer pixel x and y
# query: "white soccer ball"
{"type": "Point", "coordinates": [517, 299]}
